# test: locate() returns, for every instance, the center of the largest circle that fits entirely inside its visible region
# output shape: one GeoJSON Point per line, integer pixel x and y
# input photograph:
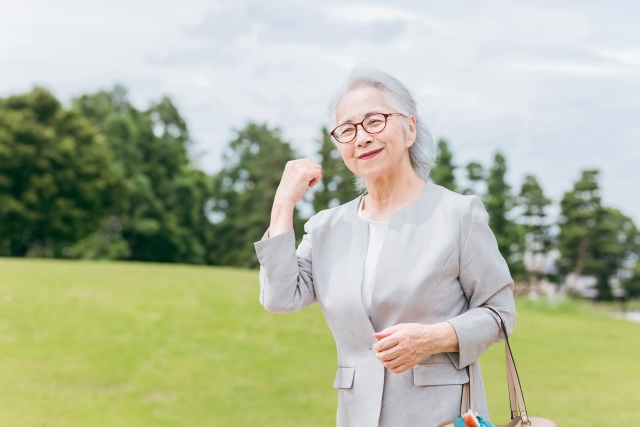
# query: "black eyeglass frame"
{"type": "Point", "coordinates": [355, 125]}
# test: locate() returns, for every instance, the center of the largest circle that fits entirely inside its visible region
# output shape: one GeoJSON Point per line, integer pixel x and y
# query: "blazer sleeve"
{"type": "Point", "coordinates": [485, 279]}
{"type": "Point", "coordinates": [286, 279]}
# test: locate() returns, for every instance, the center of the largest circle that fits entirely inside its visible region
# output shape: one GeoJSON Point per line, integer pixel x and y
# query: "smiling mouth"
{"type": "Point", "coordinates": [369, 154]}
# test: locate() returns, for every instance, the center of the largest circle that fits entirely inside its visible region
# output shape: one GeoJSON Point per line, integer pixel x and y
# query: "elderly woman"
{"type": "Point", "coordinates": [400, 272]}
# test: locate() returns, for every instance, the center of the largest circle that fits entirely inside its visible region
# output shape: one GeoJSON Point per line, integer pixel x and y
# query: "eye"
{"type": "Point", "coordinates": [347, 131]}
{"type": "Point", "coordinates": [374, 123]}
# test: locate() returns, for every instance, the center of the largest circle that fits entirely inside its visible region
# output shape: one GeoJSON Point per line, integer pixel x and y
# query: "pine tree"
{"type": "Point", "coordinates": [443, 173]}
{"type": "Point", "coordinates": [336, 186]}
{"type": "Point", "coordinates": [499, 202]}
{"type": "Point", "coordinates": [475, 176]}
{"type": "Point", "coordinates": [581, 210]}
{"type": "Point", "coordinates": [533, 217]}
{"type": "Point", "coordinates": [594, 240]}
{"type": "Point", "coordinates": [613, 244]}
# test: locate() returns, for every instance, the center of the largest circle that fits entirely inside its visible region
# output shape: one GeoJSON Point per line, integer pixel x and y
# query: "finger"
{"type": "Point", "coordinates": [310, 171]}
{"type": "Point", "coordinates": [314, 181]}
{"type": "Point", "coordinates": [388, 355]}
{"type": "Point", "coordinates": [385, 332]}
{"type": "Point", "coordinates": [396, 362]}
{"type": "Point", "coordinates": [386, 344]}
{"type": "Point", "coordinates": [307, 162]}
{"type": "Point", "coordinates": [399, 369]}
{"type": "Point", "coordinates": [313, 175]}
{"type": "Point", "coordinates": [395, 365]}
{"type": "Point", "coordinates": [302, 164]}
{"type": "Point", "coordinates": [313, 168]}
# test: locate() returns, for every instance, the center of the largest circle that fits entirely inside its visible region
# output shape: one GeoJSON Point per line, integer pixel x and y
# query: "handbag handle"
{"type": "Point", "coordinates": [515, 389]}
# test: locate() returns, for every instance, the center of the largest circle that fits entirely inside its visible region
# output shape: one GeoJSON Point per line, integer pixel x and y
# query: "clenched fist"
{"type": "Point", "coordinates": [297, 177]}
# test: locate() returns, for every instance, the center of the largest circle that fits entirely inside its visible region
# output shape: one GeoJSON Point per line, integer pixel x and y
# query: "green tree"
{"type": "Point", "coordinates": [57, 180]}
{"type": "Point", "coordinates": [336, 186]}
{"type": "Point", "coordinates": [630, 238]}
{"type": "Point", "coordinates": [444, 172]}
{"type": "Point", "coordinates": [594, 239]}
{"type": "Point", "coordinates": [581, 210]}
{"type": "Point", "coordinates": [632, 286]}
{"type": "Point", "coordinates": [499, 202]}
{"type": "Point", "coordinates": [613, 244]}
{"type": "Point", "coordinates": [534, 218]}
{"type": "Point", "coordinates": [475, 175]}
{"type": "Point", "coordinates": [163, 218]}
{"type": "Point", "coordinates": [244, 192]}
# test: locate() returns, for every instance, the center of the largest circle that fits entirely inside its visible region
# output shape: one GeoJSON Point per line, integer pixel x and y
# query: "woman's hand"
{"type": "Point", "coordinates": [403, 346]}
{"type": "Point", "coordinates": [297, 177]}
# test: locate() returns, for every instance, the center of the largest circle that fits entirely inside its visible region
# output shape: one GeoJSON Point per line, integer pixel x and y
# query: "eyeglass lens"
{"type": "Point", "coordinates": [372, 124]}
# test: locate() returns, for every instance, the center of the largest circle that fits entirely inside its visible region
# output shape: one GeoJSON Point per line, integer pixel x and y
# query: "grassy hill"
{"type": "Point", "coordinates": [126, 344]}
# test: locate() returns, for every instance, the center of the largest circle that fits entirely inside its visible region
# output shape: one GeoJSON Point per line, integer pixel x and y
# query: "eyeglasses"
{"type": "Point", "coordinates": [372, 124]}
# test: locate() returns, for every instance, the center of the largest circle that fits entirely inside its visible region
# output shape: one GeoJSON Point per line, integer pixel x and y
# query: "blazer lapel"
{"type": "Point", "coordinates": [400, 228]}
{"type": "Point", "coordinates": [355, 260]}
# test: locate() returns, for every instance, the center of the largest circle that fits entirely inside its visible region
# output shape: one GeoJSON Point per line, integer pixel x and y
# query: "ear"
{"type": "Point", "coordinates": [413, 131]}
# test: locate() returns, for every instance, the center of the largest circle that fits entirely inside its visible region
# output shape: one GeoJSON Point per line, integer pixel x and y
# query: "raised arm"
{"type": "Point", "coordinates": [286, 280]}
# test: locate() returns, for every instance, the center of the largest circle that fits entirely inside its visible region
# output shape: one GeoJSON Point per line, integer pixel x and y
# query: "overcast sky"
{"type": "Point", "coordinates": [554, 84]}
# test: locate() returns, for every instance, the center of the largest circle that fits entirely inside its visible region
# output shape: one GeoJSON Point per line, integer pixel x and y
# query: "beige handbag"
{"type": "Point", "coordinates": [515, 392]}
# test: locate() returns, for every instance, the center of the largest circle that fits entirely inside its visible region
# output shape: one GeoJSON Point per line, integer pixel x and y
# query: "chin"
{"type": "Point", "coordinates": [372, 173]}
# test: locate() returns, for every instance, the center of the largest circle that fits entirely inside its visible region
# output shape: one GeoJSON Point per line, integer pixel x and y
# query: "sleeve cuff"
{"type": "Point", "coordinates": [476, 332]}
{"type": "Point", "coordinates": [277, 254]}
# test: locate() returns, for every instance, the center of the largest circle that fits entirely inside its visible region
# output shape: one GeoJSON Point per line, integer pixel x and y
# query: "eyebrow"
{"type": "Point", "coordinates": [352, 120]}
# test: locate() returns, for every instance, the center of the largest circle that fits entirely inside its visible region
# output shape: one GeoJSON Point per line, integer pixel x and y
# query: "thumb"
{"type": "Point", "coordinates": [314, 181]}
{"type": "Point", "coordinates": [385, 332]}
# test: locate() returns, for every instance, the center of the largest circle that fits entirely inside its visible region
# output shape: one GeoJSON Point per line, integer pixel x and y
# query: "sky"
{"type": "Point", "coordinates": [554, 85]}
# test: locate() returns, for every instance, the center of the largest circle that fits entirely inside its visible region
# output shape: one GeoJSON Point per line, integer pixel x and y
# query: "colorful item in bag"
{"type": "Point", "coordinates": [471, 420]}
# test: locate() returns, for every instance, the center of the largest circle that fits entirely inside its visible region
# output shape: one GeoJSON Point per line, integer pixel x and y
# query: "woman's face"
{"type": "Point", "coordinates": [371, 156]}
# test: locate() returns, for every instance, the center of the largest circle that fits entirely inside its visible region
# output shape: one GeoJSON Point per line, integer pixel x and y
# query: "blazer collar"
{"type": "Point", "coordinates": [420, 204]}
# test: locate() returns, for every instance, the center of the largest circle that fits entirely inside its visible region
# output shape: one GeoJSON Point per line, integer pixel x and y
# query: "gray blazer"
{"type": "Point", "coordinates": [439, 262]}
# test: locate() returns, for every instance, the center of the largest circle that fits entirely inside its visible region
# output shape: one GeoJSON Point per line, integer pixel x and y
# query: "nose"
{"type": "Point", "coordinates": [362, 136]}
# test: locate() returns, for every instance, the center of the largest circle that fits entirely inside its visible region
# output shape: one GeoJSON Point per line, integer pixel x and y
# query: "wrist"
{"type": "Point", "coordinates": [281, 217]}
{"type": "Point", "coordinates": [283, 205]}
{"type": "Point", "coordinates": [443, 338]}
{"type": "Point", "coordinates": [448, 337]}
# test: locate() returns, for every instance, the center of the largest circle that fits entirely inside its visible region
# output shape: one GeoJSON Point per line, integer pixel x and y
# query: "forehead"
{"type": "Point", "coordinates": [359, 102]}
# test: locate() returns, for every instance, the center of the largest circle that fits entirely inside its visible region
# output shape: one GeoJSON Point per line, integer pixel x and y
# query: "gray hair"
{"type": "Point", "coordinates": [423, 151]}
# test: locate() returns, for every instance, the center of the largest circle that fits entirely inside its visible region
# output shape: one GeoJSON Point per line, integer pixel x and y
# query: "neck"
{"type": "Point", "coordinates": [391, 192]}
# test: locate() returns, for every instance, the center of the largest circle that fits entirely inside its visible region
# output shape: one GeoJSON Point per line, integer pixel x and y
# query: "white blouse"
{"type": "Point", "coordinates": [377, 231]}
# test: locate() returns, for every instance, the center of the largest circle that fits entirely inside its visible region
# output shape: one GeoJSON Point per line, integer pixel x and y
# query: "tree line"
{"type": "Point", "coordinates": [103, 180]}
{"type": "Point", "coordinates": [587, 237]}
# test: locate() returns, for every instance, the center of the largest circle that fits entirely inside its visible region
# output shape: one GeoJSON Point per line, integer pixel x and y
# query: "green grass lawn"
{"type": "Point", "coordinates": [127, 344]}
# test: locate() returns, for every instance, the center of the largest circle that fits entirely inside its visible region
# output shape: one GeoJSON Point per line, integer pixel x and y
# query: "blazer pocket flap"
{"type": "Point", "coordinates": [438, 374]}
{"type": "Point", "coordinates": [344, 378]}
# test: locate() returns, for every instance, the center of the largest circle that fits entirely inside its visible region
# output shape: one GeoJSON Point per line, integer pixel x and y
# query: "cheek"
{"type": "Point", "coordinates": [397, 145]}
{"type": "Point", "coordinates": [346, 152]}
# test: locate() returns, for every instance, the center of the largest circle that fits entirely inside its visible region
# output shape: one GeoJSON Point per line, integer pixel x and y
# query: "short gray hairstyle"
{"type": "Point", "coordinates": [423, 151]}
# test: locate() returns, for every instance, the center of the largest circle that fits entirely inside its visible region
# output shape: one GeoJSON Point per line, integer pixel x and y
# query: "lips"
{"type": "Point", "coordinates": [369, 154]}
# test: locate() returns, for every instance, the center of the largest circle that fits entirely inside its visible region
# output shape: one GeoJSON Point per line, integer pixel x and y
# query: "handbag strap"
{"type": "Point", "coordinates": [515, 389]}
{"type": "Point", "coordinates": [467, 394]}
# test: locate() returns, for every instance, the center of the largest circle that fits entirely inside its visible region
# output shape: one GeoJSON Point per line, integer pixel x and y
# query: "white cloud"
{"type": "Point", "coordinates": [537, 82]}
{"type": "Point", "coordinates": [630, 56]}
{"type": "Point", "coordinates": [570, 67]}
